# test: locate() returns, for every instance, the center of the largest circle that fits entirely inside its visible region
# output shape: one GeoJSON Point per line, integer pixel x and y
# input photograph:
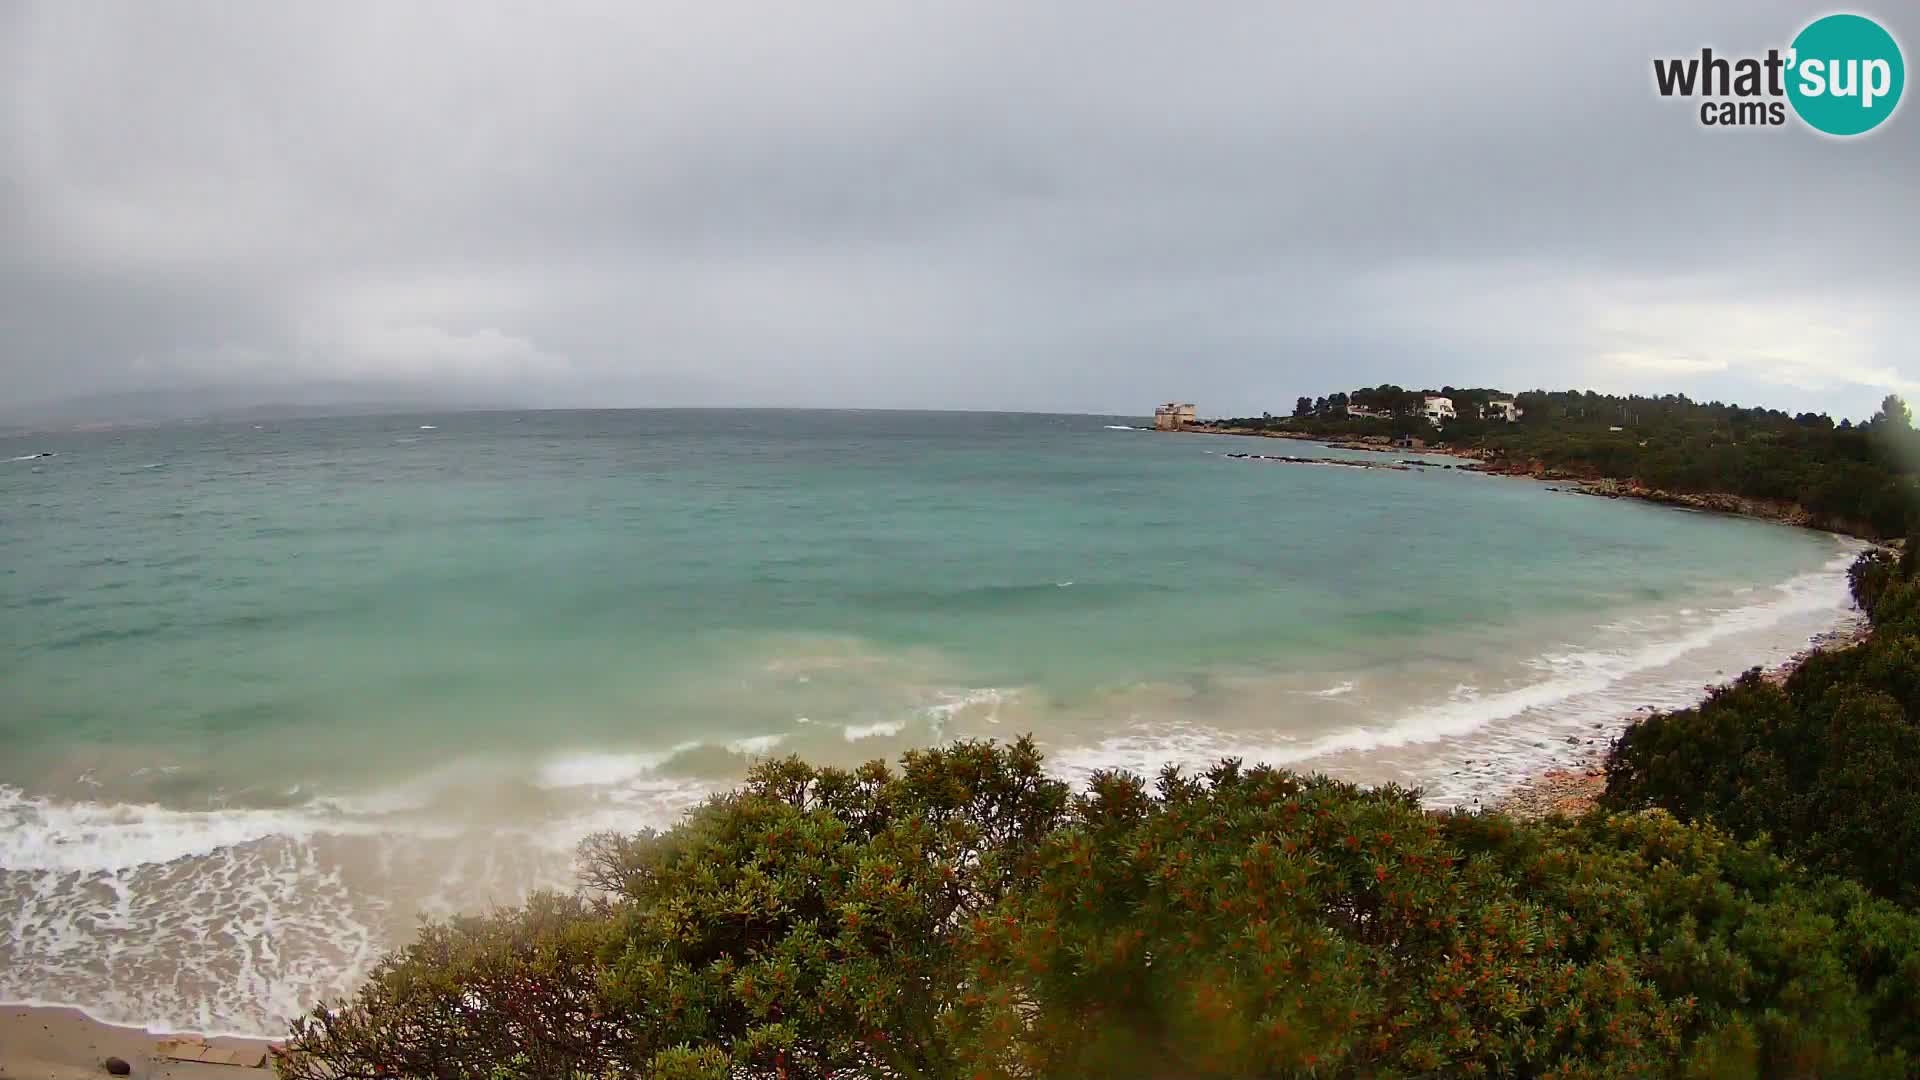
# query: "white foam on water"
{"type": "Point", "coordinates": [1120, 427]}
{"type": "Point", "coordinates": [955, 703]}
{"type": "Point", "coordinates": [233, 921]}
{"type": "Point", "coordinates": [591, 769]}
{"type": "Point", "coordinates": [1581, 685]}
{"type": "Point", "coordinates": [1340, 689]}
{"type": "Point", "coordinates": [1146, 749]}
{"type": "Point", "coordinates": [86, 837]}
{"type": "Point", "coordinates": [756, 744]}
{"type": "Point", "coordinates": [237, 947]}
{"type": "Point", "coordinates": [857, 732]}
{"type": "Point", "coordinates": [224, 921]}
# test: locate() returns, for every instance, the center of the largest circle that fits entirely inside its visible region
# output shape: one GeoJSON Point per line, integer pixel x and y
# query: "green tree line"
{"type": "Point", "coordinates": [1856, 478]}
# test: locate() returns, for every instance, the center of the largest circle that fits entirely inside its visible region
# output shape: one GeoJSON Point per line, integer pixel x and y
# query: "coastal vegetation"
{"type": "Point", "coordinates": [1856, 478]}
{"type": "Point", "coordinates": [1822, 763]}
{"type": "Point", "coordinates": [966, 915]}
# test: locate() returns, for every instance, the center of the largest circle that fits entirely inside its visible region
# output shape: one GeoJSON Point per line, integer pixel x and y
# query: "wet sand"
{"type": "Point", "coordinates": [66, 1044]}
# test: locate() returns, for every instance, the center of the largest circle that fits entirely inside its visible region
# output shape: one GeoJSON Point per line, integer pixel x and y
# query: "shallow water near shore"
{"type": "Point", "coordinates": [269, 692]}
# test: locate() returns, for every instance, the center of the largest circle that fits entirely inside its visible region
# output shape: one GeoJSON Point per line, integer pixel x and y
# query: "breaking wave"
{"type": "Point", "coordinates": [1577, 688]}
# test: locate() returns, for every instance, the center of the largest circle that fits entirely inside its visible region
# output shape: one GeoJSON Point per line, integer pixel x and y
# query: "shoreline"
{"type": "Point", "coordinates": [1573, 788]}
{"type": "Point", "coordinates": [54, 1042]}
{"type": "Point", "coordinates": [1712, 502]}
{"type": "Point", "coordinates": [1576, 787]}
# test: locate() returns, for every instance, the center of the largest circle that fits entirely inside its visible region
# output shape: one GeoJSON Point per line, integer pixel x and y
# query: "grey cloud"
{"type": "Point", "coordinates": [1073, 206]}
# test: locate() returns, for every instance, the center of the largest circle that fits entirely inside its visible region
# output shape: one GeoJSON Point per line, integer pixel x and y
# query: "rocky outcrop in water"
{"type": "Point", "coordinates": [1318, 461]}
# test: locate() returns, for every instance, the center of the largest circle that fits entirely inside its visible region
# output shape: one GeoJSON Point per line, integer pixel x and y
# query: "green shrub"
{"type": "Point", "coordinates": [1721, 759]}
{"type": "Point", "coordinates": [800, 926]}
{"type": "Point", "coordinates": [1261, 924]}
{"type": "Point", "coordinates": [516, 993]}
{"type": "Point", "coordinates": [1869, 576]}
{"type": "Point", "coordinates": [967, 917]}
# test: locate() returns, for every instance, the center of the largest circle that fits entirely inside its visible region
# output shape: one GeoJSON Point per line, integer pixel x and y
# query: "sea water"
{"type": "Point", "coordinates": [271, 691]}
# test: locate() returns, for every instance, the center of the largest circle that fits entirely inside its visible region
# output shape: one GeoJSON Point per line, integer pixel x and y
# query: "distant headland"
{"type": "Point", "coordinates": [1802, 469]}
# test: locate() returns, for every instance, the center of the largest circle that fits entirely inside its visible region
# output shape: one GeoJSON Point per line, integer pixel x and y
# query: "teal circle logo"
{"type": "Point", "coordinates": [1845, 74]}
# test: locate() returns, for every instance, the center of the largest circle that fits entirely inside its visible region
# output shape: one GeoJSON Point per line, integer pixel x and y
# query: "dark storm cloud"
{"type": "Point", "coordinates": [1072, 206]}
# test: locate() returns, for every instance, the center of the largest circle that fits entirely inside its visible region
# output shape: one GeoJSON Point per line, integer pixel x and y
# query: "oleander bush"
{"type": "Point", "coordinates": [967, 916]}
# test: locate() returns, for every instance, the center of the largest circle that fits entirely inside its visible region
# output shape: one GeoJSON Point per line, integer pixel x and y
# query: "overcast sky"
{"type": "Point", "coordinates": [1086, 207]}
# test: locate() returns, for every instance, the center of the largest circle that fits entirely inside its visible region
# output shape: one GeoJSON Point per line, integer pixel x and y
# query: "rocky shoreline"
{"type": "Point", "coordinates": [1402, 465]}
{"type": "Point", "coordinates": [1576, 787]}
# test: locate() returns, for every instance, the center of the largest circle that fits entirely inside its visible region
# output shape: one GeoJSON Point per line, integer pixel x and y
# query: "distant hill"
{"type": "Point", "coordinates": [173, 405]}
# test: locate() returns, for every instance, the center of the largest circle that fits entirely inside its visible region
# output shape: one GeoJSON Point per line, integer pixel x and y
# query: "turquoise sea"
{"type": "Point", "coordinates": [271, 690]}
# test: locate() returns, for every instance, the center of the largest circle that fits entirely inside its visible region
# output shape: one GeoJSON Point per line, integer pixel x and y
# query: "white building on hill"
{"type": "Point", "coordinates": [1503, 408]}
{"type": "Point", "coordinates": [1438, 409]}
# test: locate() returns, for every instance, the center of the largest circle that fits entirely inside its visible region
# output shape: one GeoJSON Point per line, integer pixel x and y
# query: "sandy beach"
{"type": "Point", "coordinates": [66, 1044]}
